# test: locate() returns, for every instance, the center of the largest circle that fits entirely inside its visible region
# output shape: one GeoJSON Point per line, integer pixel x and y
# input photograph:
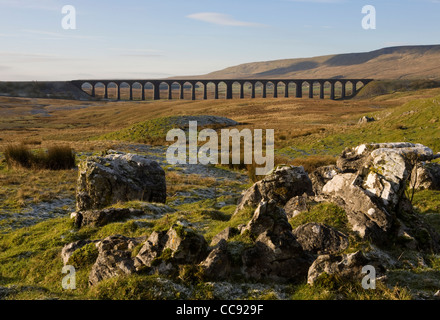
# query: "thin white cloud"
{"type": "Point", "coordinates": [58, 35]}
{"type": "Point", "coordinates": [221, 19]}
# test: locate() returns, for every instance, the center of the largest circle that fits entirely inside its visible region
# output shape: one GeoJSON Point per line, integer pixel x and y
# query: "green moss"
{"type": "Point", "coordinates": [325, 213]}
{"type": "Point", "coordinates": [84, 256]}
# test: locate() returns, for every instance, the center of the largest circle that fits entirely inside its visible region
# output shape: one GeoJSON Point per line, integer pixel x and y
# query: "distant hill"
{"type": "Point", "coordinates": [404, 62]}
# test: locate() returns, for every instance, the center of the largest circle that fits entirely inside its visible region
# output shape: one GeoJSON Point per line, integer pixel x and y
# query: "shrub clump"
{"type": "Point", "coordinates": [54, 158]}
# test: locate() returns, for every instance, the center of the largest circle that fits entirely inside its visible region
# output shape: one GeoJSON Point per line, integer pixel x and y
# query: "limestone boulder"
{"type": "Point", "coordinates": [276, 257]}
{"type": "Point", "coordinates": [114, 258]}
{"type": "Point", "coordinates": [281, 185]}
{"type": "Point", "coordinates": [164, 251]}
{"type": "Point", "coordinates": [320, 176]}
{"type": "Point", "coordinates": [426, 176]}
{"type": "Point", "coordinates": [346, 267]}
{"type": "Point", "coordinates": [364, 213]}
{"type": "Point", "coordinates": [296, 205]}
{"type": "Point", "coordinates": [114, 178]}
{"type": "Point", "coordinates": [218, 264]}
{"type": "Point", "coordinates": [268, 217]}
{"type": "Point", "coordinates": [318, 238]}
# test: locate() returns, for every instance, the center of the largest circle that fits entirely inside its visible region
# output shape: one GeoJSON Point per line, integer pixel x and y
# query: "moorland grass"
{"type": "Point", "coordinates": [55, 158]}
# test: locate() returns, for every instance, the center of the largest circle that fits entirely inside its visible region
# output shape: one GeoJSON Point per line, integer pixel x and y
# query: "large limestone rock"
{"type": "Point", "coordinates": [320, 176]}
{"type": "Point", "coordinates": [426, 176]}
{"type": "Point", "coordinates": [318, 238]}
{"type": "Point", "coordinates": [276, 255]}
{"type": "Point", "coordinates": [364, 214]}
{"type": "Point", "coordinates": [114, 258]}
{"type": "Point", "coordinates": [371, 185]}
{"type": "Point", "coordinates": [268, 217]}
{"type": "Point", "coordinates": [345, 267]}
{"type": "Point", "coordinates": [119, 178]}
{"type": "Point", "coordinates": [163, 251]}
{"type": "Point", "coordinates": [218, 265]}
{"type": "Point", "coordinates": [281, 185]}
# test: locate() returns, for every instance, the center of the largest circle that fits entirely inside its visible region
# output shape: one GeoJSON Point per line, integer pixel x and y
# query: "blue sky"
{"type": "Point", "coordinates": [156, 39]}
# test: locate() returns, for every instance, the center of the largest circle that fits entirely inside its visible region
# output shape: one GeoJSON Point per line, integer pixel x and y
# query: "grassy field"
{"type": "Point", "coordinates": [307, 131]}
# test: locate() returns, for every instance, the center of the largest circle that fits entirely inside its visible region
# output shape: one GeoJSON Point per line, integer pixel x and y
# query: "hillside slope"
{"type": "Point", "coordinates": [405, 62]}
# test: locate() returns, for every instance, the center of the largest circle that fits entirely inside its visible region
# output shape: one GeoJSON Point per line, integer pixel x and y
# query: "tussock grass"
{"type": "Point", "coordinates": [55, 158]}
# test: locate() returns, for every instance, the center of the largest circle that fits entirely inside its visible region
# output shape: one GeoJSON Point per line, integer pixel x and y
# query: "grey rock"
{"type": "Point", "coordinates": [226, 234]}
{"type": "Point", "coordinates": [163, 251]}
{"type": "Point", "coordinates": [218, 264]}
{"type": "Point", "coordinates": [276, 257]}
{"type": "Point", "coordinates": [426, 176]}
{"type": "Point", "coordinates": [365, 216]}
{"type": "Point", "coordinates": [281, 185]}
{"type": "Point", "coordinates": [114, 178]}
{"type": "Point", "coordinates": [296, 205]}
{"type": "Point", "coordinates": [268, 217]}
{"type": "Point", "coordinates": [366, 119]}
{"type": "Point", "coordinates": [114, 258]}
{"type": "Point", "coordinates": [70, 248]}
{"type": "Point", "coordinates": [320, 176]}
{"type": "Point", "coordinates": [345, 267]}
{"type": "Point", "coordinates": [320, 239]}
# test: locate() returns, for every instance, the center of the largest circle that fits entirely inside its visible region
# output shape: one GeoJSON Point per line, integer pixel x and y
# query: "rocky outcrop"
{"type": "Point", "coordinates": [281, 185]}
{"type": "Point", "coordinates": [114, 258]}
{"type": "Point", "coordinates": [164, 251]}
{"type": "Point", "coordinates": [101, 217]}
{"type": "Point", "coordinates": [426, 176]}
{"type": "Point", "coordinates": [276, 254]}
{"type": "Point", "coordinates": [114, 178]}
{"type": "Point", "coordinates": [318, 238]}
{"type": "Point", "coordinates": [345, 267]}
{"type": "Point", "coordinates": [371, 186]}
{"type": "Point", "coordinates": [296, 205]}
{"type": "Point", "coordinates": [268, 217]}
{"type": "Point", "coordinates": [320, 176]}
{"type": "Point", "coordinates": [218, 265]}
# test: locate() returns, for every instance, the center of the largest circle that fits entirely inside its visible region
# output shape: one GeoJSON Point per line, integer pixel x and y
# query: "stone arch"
{"type": "Point", "coordinates": [327, 87]}
{"type": "Point", "coordinates": [99, 88]}
{"type": "Point", "coordinates": [270, 88]}
{"type": "Point", "coordinates": [316, 88]}
{"type": "Point", "coordinates": [124, 91]}
{"type": "Point", "coordinates": [338, 89]}
{"type": "Point", "coordinates": [112, 90]}
{"type": "Point", "coordinates": [173, 90]}
{"type": "Point", "coordinates": [199, 90]}
{"type": "Point", "coordinates": [163, 90]}
{"type": "Point", "coordinates": [236, 88]}
{"type": "Point", "coordinates": [222, 88]}
{"type": "Point", "coordinates": [148, 88]}
{"type": "Point", "coordinates": [247, 89]}
{"type": "Point", "coordinates": [187, 90]}
{"type": "Point", "coordinates": [291, 88]}
{"type": "Point", "coordinates": [210, 90]}
{"type": "Point", "coordinates": [136, 91]}
{"type": "Point", "coordinates": [87, 87]}
{"type": "Point", "coordinates": [281, 89]}
{"type": "Point", "coordinates": [305, 87]}
{"type": "Point", "coordinates": [358, 85]}
{"type": "Point", "coordinates": [259, 85]}
{"type": "Point", "coordinates": [349, 88]}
